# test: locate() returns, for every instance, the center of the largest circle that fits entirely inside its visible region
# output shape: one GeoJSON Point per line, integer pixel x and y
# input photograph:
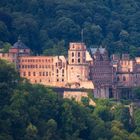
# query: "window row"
{"type": "Point", "coordinates": [57, 71]}
{"type": "Point", "coordinates": [79, 60]}
{"type": "Point", "coordinates": [125, 62]}
{"type": "Point", "coordinates": [36, 60]}
{"type": "Point", "coordinates": [60, 75]}
{"type": "Point", "coordinates": [36, 73]}
{"type": "Point", "coordinates": [35, 66]}
{"type": "Point", "coordinates": [79, 54]}
{"type": "Point", "coordinates": [60, 64]}
{"type": "Point", "coordinates": [40, 81]}
{"type": "Point", "coordinates": [60, 80]}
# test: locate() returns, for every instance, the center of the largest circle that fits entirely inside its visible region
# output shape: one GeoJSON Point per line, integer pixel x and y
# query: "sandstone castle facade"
{"type": "Point", "coordinates": [90, 69]}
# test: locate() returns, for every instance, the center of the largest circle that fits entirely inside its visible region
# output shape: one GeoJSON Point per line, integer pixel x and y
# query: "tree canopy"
{"type": "Point", "coordinates": [42, 24]}
{"type": "Point", "coordinates": [36, 112]}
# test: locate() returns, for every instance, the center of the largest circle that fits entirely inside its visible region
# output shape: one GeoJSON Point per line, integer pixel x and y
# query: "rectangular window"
{"type": "Point", "coordinates": [34, 74]}
{"type": "Point", "coordinates": [84, 54]}
{"type": "Point", "coordinates": [29, 74]}
{"type": "Point", "coordinates": [62, 70]}
{"type": "Point", "coordinates": [39, 73]}
{"type": "Point", "coordinates": [24, 73]}
{"type": "Point", "coordinates": [46, 73]}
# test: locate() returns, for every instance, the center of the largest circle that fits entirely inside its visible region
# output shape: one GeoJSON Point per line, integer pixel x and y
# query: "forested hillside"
{"type": "Point", "coordinates": [45, 24]}
{"type": "Point", "coordinates": [34, 112]}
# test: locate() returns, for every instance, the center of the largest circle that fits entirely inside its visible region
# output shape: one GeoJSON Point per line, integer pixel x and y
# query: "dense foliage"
{"type": "Point", "coordinates": [34, 112]}
{"type": "Point", "coordinates": [45, 24]}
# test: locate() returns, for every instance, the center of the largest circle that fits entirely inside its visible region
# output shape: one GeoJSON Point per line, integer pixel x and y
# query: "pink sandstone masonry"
{"type": "Point", "coordinates": [90, 69]}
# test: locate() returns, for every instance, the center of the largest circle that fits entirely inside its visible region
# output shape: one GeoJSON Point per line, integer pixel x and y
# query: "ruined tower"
{"type": "Point", "coordinates": [78, 69]}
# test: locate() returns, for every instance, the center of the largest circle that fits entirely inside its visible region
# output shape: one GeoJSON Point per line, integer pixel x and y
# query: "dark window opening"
{"type": "Point", "coordinates": [79, 60]}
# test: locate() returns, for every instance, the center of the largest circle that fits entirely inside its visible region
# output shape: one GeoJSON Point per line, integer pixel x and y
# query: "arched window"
{"type": "Point", "coordinates": [78, 54]}
{"type": "Point", "coordinates": [72, 54]}
{"type": "Point", "coordinates": [79, 60]}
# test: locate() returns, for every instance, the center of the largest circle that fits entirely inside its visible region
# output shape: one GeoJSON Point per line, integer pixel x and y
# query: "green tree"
{"type": "Point", "coordinates": [4, 33]}
{"type": "Point", "coordinates": [31, 132]}
{"type": "Point", "coordinates": [136, 92]}
{"type": "Point", "coordinates": [8, 81]}
{"type": "Point", "coordinates": [51, 130]}
{"type": "Point", "coordinates": [6, 47]}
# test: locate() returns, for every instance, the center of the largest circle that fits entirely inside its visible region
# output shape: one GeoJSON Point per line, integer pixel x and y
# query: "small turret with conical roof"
{"type": "Point", "coordinates": [19, 48]}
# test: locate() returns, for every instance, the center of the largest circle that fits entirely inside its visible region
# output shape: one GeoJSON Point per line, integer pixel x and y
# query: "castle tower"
{"type": "Point", "coordinates": [101, 73]}
{"type": "Point", "coordinates": [17, 50]}
{"type": "Point", "coordinates": [20, 49]}
{"type": "Point", "coordinates": [78, 69]}
{"type": "Point", "coordinates": [77, 54]}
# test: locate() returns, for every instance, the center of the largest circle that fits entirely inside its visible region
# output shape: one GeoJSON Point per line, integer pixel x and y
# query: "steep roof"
{"type": "Point", "coordinates": [94, 50]}
{"type": "Point", "coordinates": [20, 45]}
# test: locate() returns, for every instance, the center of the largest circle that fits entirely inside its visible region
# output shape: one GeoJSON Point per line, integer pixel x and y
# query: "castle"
{"type": "Point", "coordinates": [91, 69]}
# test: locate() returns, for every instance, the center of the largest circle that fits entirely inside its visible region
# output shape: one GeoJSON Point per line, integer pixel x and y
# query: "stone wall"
{"type": "Point", "coordinates": [77, 96]}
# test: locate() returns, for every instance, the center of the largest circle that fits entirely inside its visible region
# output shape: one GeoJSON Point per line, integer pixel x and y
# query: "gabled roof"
{"type": "Point", "coordinates": [94, 50]}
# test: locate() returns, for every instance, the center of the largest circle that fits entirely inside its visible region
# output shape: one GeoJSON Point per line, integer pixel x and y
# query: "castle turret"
{"type": "Point", "coordinates": [17, 50]}
{"type": "Point", "coordinates": [20, 49]}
